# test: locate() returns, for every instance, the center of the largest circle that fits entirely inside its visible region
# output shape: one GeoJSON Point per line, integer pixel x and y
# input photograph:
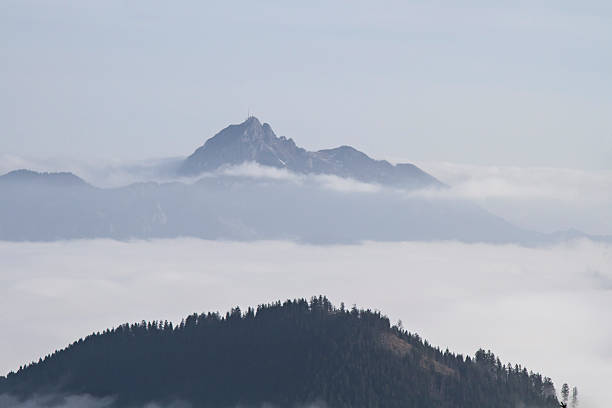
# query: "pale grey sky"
{"type": "Point", "coordinates": [520, 83]}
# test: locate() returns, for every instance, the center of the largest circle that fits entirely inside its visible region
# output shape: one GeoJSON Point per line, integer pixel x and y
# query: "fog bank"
{"type": "Point", "coordinates": [545, 308]}
{"type": "Point", "coordinates": [544, 199]}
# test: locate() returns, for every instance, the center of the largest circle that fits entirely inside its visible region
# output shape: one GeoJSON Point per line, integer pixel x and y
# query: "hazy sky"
{"type": "Point", "coordinates": [522, 83]}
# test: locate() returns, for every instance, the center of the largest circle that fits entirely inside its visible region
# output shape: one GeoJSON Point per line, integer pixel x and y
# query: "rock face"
{"type": "Point", "coordinates": [251, 141]}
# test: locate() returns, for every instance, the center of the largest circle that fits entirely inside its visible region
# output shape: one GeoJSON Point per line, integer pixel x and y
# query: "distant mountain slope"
{"type": "Point", "coordinates": [283, 355]}
{"type": "Point", "coordinates": [240, 208]}
{"type": "Point", "coordinates": [251, 141]}
{"type": "Point", "coordinates": [24, 176]}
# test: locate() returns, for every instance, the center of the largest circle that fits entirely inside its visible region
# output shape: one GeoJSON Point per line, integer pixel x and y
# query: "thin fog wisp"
{"type": "Point", "coordinates": [87, 401]}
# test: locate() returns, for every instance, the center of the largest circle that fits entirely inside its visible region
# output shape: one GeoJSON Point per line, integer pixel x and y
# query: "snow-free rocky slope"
{"type": "Point", "coordinates": [251, 141]}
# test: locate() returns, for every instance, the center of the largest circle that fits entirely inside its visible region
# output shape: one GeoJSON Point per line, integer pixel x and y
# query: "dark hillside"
{"type": "Point", "coordinates": [283, 354]}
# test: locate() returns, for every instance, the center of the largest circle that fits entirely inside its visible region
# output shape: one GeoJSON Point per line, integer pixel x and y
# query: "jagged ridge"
{"type": "Point", "coordinates": [251, 141]}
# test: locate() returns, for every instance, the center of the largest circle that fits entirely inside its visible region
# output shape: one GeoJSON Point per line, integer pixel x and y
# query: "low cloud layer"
{"type": "Point", "coordinates": [51, 401]}
{"type": "Point", "coordinates": [109, 174]}
{"type": "Point", "coordinates": [546, 308]}
{"type": "Point", "coordinates": [83, 401]}
{"type": "Point", "coordinates": [331, 182]}
{"type": "Point", "coordinates": [88, 401]}
{"type": "Point", "coordinates": [540, 198]}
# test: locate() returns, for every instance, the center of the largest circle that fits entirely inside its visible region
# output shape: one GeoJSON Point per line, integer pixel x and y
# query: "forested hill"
{"type": "Point", "coordinates": [283, 354]}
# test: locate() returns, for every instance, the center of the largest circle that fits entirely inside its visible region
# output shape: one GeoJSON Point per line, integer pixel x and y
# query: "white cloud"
{"type": "Point", "coordinates": [540, 198]}
{"type": "Point", "coordinates": [327, 181]}
{"type": "Point", "coordinates": [256, 170]}
{"type": "Point", "coordinates": [546, 308]}
{"type": "Point", "coordinates": [346, 185]}
{"type": "Point", "coordinates": [525, 183]}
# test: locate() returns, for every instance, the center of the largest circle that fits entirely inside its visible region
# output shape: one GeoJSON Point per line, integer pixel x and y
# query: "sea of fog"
{"type": "Point", "coordinates": [546, 308]}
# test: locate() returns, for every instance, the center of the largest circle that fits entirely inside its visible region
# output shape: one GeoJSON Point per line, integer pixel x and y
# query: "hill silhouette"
{"type": "Point", "coordinates": [283, 354]}
{"type": "Point", "coordinates": [61, 179]}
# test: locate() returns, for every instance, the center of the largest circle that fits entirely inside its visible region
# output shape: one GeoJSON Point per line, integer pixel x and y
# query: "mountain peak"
{"type": "Point", "coordinates": [253, 124]}
{"type": "Point", "coordinates": [246, 132]}
{"type": "Point", "coordinates": [251, 121]}
{"type": "Point", "coordinates": [250, 141]}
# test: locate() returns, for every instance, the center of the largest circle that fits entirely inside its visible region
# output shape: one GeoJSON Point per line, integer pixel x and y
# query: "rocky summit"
{"type": "Point", "coordinates": [252, 141]}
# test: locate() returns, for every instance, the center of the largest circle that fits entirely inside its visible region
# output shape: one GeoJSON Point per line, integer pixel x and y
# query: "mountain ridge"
{"type": "Point", "coordinates": [252, 141]}
{"type": "Point", "coordinates": [57, 179]}
{"type": "Point", "coordinates": [241, 208]}
{"type": "Point", "coordinates": [35, 207]}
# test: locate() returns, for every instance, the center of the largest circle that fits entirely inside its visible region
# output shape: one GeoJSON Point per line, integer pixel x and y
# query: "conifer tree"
{"type": "Point", "coordinates": [564, 393]}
